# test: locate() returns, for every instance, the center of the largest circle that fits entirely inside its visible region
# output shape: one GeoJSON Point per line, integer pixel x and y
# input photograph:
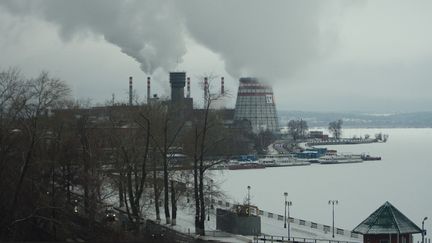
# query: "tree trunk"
{"type": "Point", "coordinates": [68, 182]}
{"type": "Point", "coordinates": [173, 204]}
{"type": "Point", "coordinates": [166, 195]}
{"type": "Point", "coordinates": [165, 174]}
{"type": "Point", "coordinates": [198, 229]}
{"type": "Point", "coordinates": [17, 191]}
{"type": "Point", "coordinates": [121, 189]}
{"type": "Point", "coordinates": [86, 189]}
{"type": "Point", "coordinates": [156, 193]}
{"type": "Point", "coordinates": [202, 205]}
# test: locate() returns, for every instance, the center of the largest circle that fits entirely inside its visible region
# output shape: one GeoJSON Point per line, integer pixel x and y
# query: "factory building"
{"type": "Point", "coordinates": [255, 103]}
{"type": "Point", "coordinates": [177, 81]}
{"type": "Point", "coordinates": [255, 109]}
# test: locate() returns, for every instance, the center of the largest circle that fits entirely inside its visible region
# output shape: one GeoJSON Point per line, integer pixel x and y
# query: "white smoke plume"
{"type": "Point", "coordinates": [269, 39]}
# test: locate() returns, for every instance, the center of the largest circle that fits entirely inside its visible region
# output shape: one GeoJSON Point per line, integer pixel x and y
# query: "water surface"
{"type": "Point", "coordinates": [403, 177]}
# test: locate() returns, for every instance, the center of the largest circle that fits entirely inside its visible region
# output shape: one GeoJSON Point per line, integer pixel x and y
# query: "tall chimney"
{"type": "Point", "coordinates": [130, 90]}
{"type": "Point", "coordinates": [148, 90]}
{"type": "Point", "coordinates": [177, 81]}
{"type": "Point", "coordinates": [188, 93]}
{"type": "Point", "coordinates": [222, 86]}
{"type": "Point", "coordinates": [205, 91]}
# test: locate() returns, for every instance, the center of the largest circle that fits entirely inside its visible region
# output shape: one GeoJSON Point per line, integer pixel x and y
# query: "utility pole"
{"type": "Point", "coordinates": [423, 230]}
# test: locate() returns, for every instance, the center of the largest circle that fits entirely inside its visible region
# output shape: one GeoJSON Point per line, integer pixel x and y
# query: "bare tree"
{"type": "Point", "coordinates": [204, 123]}
{"type": "Point", "coordinates": [297, 129]}
{"type": "Point", "coordinates": [41, 94]}
{"type": "Point", "coordinates": [12, 92]}
{"type": "Point", "coordinates": [335, 128]}
{"type": "Point", "coordinates": [165, 136]}
{"type": "Point", "coordinates": [130, 144]}
{"type": "Point", "coordinates": [24, 128]}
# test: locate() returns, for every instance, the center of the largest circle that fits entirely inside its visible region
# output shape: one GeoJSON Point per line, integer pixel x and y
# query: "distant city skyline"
{"type": "Point", "coordinates": [329, 56]}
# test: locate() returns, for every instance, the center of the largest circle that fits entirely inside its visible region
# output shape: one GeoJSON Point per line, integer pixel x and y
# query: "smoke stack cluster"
{"type": "Point", "coordinates": [148, 90]}
{"type": "Point", "coordinates": [188, 91]}
{"type": "Point", "coordinates": [130, 91]}
{"type": "Point", "coordinates": [222, 86]}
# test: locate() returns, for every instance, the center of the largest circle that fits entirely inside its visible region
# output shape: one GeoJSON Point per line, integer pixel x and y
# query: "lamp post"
{"type": "Point", "coordinates": [248, 197]}
{"type": "Point", "coordinates": [333, 203]}
{"type": "Point", "coordinates": [289, 203]}
{"type": "Point", "coordinates": [423, 230]}
{"type": "Point", "coordinates": [286, 203]}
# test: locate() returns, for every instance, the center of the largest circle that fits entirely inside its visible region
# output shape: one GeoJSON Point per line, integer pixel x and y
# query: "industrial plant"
{"type": "Point", "coordinates": [255, 104]}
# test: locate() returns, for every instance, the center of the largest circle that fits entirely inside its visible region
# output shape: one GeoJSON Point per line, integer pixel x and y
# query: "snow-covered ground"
{"type": "Point", "coordinates": [269, 226]}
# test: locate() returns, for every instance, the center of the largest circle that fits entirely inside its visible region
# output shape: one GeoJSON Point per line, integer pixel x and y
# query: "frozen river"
{"type": "Point", "coordinates": [403, 177]}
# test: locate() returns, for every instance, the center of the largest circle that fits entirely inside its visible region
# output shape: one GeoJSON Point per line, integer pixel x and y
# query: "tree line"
{"type": "Point", "coordinates": [298, 129]}
{"type": "Point", "coordinates": [60, 160]}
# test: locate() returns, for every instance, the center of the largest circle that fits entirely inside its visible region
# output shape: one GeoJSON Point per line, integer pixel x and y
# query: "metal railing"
{"type": "Point", "coordinates": [273, 238]}
{"type": "Point", "coordinates": [303, 223]}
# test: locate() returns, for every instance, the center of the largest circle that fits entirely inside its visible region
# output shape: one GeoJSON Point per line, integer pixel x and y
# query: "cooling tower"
{"type": "Point", "coordinates": [255, 103]}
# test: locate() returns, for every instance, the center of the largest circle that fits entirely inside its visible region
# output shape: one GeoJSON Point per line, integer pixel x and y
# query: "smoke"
{"type": "Point", "coordinates": [257, 38]}
{"type": "Point", "coordinates": [254, 37]}
{"type": "Point", "coordinates": [147, 31]}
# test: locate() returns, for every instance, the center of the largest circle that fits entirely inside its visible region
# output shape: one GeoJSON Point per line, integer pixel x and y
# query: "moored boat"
{"type": "Point", "coordinates": [282, 161]}
{"type": "Point", "coordinates": [340, 159]}
{"type": "Point", "coordinates": [368, 157]}
{"type": "Point", "coordinates": [249, 165]}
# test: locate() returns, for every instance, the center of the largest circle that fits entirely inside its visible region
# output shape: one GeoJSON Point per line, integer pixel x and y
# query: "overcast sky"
{"type": "Point", "coordinates": [370, 56]}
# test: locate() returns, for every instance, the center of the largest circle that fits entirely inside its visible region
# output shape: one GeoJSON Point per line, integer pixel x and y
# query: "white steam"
{"type": "Point", "coordinates": [269, 39]}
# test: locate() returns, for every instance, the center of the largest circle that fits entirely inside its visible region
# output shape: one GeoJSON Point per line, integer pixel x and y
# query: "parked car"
{"type": "Point", "coordinates": [110, 215]}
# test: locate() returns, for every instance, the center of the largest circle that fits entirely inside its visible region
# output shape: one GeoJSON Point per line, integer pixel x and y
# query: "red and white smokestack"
{"type": "Point", "coordinates": [222, 86]}
{"type": "Point", "coordinates": [130, 90]}
{"type": "Point", "coordinates": [148, 90]}
{"type": "Point", "coordinates": [188, 91]}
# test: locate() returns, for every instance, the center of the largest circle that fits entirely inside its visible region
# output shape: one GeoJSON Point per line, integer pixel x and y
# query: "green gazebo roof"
{"type": "Point", "coordinates": [387, 220]}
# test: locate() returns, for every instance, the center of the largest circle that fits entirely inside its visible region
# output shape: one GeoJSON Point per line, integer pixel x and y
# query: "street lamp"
{"type": "Point", "coordinates": [248, 197]}
{"type": "Point", "coordinates": [289, 203]}
{"type": "Point", "coordinates": [333, 203]}
{"type": "Point", "coordinates": [286, 203]}
{"type": "Point", "coordinates": [423, 230]}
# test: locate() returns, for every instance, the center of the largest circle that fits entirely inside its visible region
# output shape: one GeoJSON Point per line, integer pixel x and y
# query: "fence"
{"type": "Point", "coordinates": [304, 223]}
{"type": "Point", "coordinates": [272, 238]}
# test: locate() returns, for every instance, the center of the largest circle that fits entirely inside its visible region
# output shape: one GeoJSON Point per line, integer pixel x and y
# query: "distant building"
{"type": "Point", "coordinates": [387, 225]}
{"type": "Point", "coordinates": [255, 103]}
{"type": "Point", "coordinates": [318, 134]}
